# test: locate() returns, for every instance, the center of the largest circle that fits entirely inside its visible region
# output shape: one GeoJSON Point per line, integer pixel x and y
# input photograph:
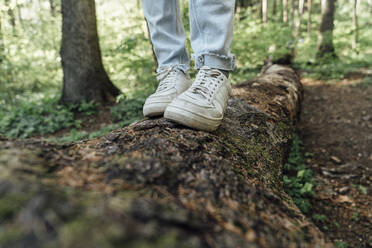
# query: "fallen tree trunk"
{"type": "Point", "coordinates": [158, 184]}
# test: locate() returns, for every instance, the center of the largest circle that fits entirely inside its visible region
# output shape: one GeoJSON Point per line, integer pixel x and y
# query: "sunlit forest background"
{"type": "Point", "coordinates": [30, 65]}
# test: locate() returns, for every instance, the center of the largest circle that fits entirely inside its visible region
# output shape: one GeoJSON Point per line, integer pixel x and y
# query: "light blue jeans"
{"type": "Point", "coordinates": [211, 32]}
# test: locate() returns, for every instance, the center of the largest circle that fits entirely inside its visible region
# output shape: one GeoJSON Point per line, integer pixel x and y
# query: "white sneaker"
{"type": "Point", "coordinates": [172, 82]}
{"type": "Point", "coordinates": [202, 106]}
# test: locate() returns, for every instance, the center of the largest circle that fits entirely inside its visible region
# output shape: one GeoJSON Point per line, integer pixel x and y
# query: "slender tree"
{"type": "Point", "coordinates": [356, 24]}
{"type": "Point", "coordinates": [52, 6]}
{"type": "Point", "coordinates": [260, 14]}
{"type": "Point", "coordinates": [280, 10]}
{"type": "Point", "coordinates": [264, 11]}
{"type": "Point", "coordinates": [309, 18]}
{"type": "Point", "coordinates": [12, 19]}
{"type": "Point", "coordinates": [292, 11]}
{"type": "Point", "coordinates": [285, 11]}
{"type": "Point", "coordinates": [300, 10]}
{"type": "Point", "coordinates": [274, 8]}
{"type": "Point", "coordinates": [2, 46]}
{"type": "Point", "coordinates": [301, 6]}
{"type": "Point", "coordinates": [84, 75]}
{"type": "Point", "coordinates": [325, 35]}
{"type": "Point", "coordinates": [19, 12]}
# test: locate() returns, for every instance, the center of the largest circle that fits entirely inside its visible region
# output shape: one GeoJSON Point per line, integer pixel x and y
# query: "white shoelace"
{"type": "Point", "coordinates": [206, 83]}
{"type": "Point", "coordinates": [167, 78]}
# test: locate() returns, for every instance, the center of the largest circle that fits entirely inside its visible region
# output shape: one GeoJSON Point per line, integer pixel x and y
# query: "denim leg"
{"type": "Point", "coordinates": [212, 24]}
{"type": "Point", "coordinates": [167, 32]}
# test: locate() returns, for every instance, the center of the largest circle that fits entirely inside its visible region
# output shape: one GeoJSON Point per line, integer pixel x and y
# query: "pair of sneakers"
{"type": "Point", "coordinates": [200, 104]}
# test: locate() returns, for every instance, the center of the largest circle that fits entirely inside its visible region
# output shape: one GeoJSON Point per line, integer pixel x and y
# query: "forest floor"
{"type": "Point", "coordinates": [336, 129]}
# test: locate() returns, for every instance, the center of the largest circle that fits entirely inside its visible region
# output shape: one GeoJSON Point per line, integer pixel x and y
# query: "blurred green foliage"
{"type": "Point", "coordinates": [31, 74]}
{"type": "Point", "coordinates": [39, 116]}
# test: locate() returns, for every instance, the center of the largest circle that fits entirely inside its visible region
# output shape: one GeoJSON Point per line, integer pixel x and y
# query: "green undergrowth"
{"type": "Point", "coordinates": [125, 112]}
{"type": "Point", "coordinates": [333, 69]}
{"type": "Point", "coordinates": [45, 116]}
{"type": "Point", "coordinates": [298, 179]}
{"type": "Point", "coordinates": [40, 116]}
{"type": "Point", "coordinates": [365, 82]}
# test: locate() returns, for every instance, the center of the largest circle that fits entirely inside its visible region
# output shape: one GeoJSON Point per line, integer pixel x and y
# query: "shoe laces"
{"type": "Point", "coordinates": [167, 78]}
{"type": "Point", "coordinates": [206, 83]}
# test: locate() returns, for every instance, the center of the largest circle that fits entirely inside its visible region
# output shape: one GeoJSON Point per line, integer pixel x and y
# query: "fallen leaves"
{"type": "Point", "coordinates": [336, 159]}
{"type": "Point", "coordinates": [343, 199]}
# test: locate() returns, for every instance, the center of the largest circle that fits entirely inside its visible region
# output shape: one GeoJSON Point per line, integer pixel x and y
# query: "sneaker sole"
{"type": "Point", "coordinates": [154, 109]}
{"type": "Point", "coordinates": [190, 119]}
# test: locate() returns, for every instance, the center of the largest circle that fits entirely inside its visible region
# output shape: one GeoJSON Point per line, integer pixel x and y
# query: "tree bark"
{"type": "Point", "coordinates": [310, 12]}
{"type": "Point", "coordinates": [325, 36]}
{"type": "Point", "coordinates": [159, 184]}
{"type": "Point", "coordinates": [84, 75]}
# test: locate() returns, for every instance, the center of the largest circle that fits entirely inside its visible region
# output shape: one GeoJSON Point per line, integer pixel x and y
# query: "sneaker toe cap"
{"type": "Point", "coordinates": [210, 112]}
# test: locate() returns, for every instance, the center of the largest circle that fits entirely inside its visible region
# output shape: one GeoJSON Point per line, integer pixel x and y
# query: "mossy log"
{"type": "Point", "coordinates": [158, 184]}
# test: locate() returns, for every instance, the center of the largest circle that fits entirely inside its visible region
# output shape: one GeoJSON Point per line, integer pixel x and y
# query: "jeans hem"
{"type": "Point", "coordinates": [214, 60]}
{"type": "Point", "coordinates": [182, 67]}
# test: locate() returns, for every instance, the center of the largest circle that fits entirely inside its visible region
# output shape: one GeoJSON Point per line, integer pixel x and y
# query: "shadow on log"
{"type": "Point", "coordinates": [158, 184]}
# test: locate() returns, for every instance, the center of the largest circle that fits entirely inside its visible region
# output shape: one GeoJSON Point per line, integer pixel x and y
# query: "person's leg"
{"type": "Point", "coordinates": [203, 105]}
{"type": "Point", "coordinates": [167, 32]}
{"type": "Point", "coordinates": [168, 38]}
{"type": "Point", "coordinates": [212, 32]}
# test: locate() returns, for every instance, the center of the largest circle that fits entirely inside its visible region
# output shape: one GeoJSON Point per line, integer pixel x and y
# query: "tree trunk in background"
{"type": "Point", "coordinates": [243, 3]}
{"type": "Point", "coordinates": [285, 11]}
{"type": "Point", "coordinates": [309, 18]}
{"type": "Point", "coordinates": [157, 184]}
{"type": "Point", "coordinates": [301, 7]}
{"type": "Point", "coordinates": [264, 11]}
{"type": "Point", "coordinates": [20, 17]}
{"type": "Point", "coordinates": [356, 25]}
{"type": "Point", "coordinates": [12, 19]}
{"type": "Point", "coordinates": [260, 14]}
{"type": "Point", "coordinates": [325, 36]}
{"type": "Point", "coordinates": [280, 9]}
{"type": "Point", "coordinates": [292, 12]}
{"type": "Point", "coordinates": [2, 46]}
{"type": "Point", "coordinates": [52, 6]}
{"type": "Point", "coordinates": [84, 75]}
{"type": "Point", "coordinates": [274, 9]}
{"type": "Point", "coordinates": [301, 4]}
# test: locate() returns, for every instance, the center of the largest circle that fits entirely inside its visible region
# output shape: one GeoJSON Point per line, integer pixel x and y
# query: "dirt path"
{"type": "Point", "coordinates": [336, 127]}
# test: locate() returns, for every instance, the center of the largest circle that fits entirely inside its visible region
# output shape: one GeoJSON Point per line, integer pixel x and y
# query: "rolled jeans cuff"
{"type": "Point", "coordinates": [182, 67]}
{"type": "Point", "coordinates": [213, 60]}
